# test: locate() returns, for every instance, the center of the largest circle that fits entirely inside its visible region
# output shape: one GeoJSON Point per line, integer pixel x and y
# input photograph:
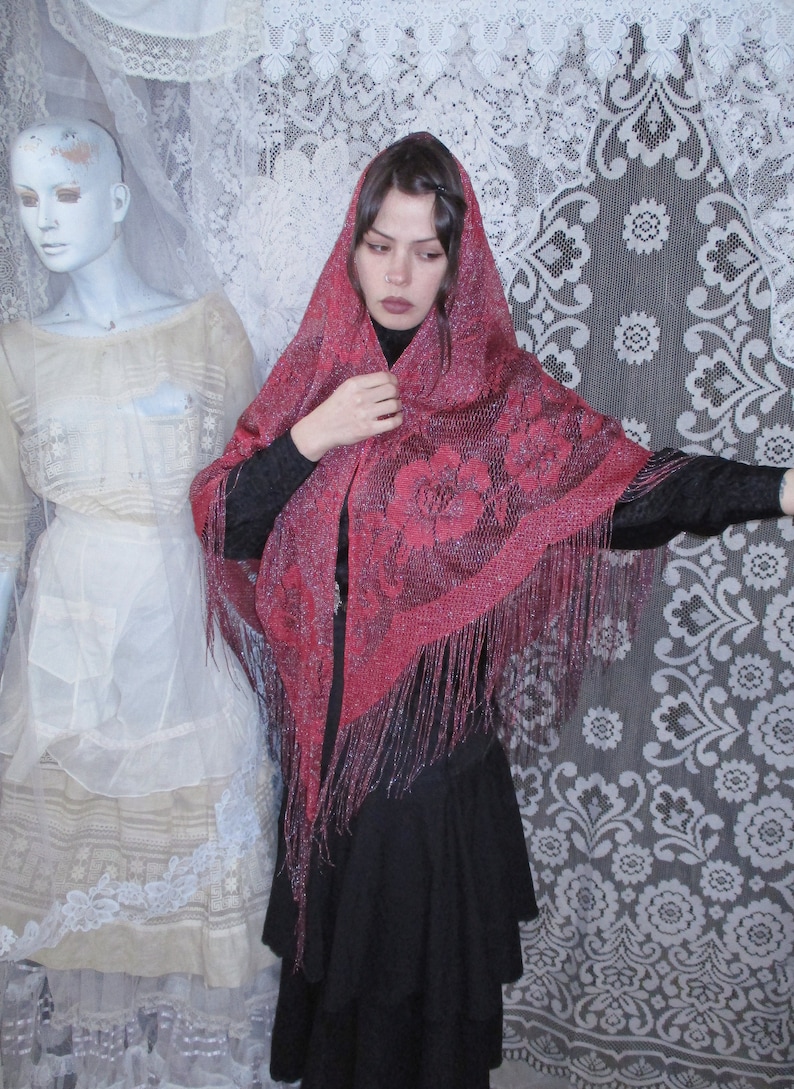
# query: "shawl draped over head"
{"type": "Point", "coordinates": [477, 564]}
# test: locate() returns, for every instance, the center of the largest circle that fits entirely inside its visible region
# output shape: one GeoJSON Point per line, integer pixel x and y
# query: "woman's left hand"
{"type": "Point", "coordinates": [787, 492]}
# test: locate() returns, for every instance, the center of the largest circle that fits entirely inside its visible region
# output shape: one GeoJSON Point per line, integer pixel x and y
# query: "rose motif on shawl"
{"type": "Point", "coordinates": [535, 423]}
{"type": "Point", "coordinates": [521, 407]}
{"type": "Point", "coordinates": [292, 608]}
{"type": "Point", "coordinates": [536, 456]}
{"type": "Point", "coordinates": [590, 422]}
{"type": "Point", "coordinates": [438, 500]}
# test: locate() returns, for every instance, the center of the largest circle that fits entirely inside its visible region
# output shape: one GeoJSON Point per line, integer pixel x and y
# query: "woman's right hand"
{"type": "Point", "coordinates": [363, 406]}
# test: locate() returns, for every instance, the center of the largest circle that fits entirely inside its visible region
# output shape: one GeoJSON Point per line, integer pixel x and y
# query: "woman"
{"type": "Point", "coordinates": [431, 512]}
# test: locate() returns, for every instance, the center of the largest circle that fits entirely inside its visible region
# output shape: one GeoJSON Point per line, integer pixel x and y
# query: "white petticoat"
{"type": "Point", "coordinates": [108, 670]}
{"type": "Point", "coordinates": [138, 806]}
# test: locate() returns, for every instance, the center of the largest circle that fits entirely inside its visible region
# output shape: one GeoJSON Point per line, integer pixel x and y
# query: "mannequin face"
{"type": "Point", "coordinates": [70, 195]}
{"type": "Point", "coordinates": [400, 261]}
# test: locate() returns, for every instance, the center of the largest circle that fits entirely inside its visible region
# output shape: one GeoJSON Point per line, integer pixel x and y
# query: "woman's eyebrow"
{"type": "Point", "coordinates": [416, 241]}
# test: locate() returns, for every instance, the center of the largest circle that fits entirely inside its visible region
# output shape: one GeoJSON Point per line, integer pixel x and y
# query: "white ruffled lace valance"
{"type": "Point", "coordinates": [201, 39]}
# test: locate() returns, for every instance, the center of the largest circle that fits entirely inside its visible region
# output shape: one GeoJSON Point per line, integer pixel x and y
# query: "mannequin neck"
{"type": "Point", "coordinates": [107, 296]}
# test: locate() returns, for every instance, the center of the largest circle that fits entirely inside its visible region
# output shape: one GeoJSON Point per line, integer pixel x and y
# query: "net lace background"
{"type": "Point", "coordinates": [636, 177]}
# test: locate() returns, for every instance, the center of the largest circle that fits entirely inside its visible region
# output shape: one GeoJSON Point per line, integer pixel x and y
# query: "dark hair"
{"type": "Point", "coordinates": [417, 164]}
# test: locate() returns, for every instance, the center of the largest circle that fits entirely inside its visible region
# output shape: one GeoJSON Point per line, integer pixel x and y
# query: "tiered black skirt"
{"type": "Point", "coordinates": [413, 927]}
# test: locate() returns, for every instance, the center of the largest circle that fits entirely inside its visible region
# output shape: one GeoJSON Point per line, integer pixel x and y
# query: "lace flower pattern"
{"type": "Point", "coordinates": [636, 338]}
{"type": "Point", "coordinates": [646, 226]}
{"type": "Point", "coordinates": [689, 841]}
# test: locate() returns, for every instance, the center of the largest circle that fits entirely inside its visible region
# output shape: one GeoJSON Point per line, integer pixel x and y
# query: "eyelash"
{"type": "Point", "coordinates": [426, 255]}
{"type": "Point", "coordinates": [64, 196]}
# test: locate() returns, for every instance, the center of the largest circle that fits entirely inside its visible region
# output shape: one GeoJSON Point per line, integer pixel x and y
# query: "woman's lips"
{"type": "Point", "coordinates": [395, 305]}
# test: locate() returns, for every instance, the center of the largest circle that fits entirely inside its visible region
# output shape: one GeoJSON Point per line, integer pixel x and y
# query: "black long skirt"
{"type": "Point", "coordinates": [413, 927]}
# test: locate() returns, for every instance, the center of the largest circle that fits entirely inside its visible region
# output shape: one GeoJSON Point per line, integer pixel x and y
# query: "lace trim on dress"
{"type": "Point", "coordinates": [112, 901]}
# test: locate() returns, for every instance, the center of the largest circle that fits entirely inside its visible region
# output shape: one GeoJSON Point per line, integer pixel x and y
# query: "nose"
{"type": "Point", "coordinates": [45, 214]}
{"type": "Point", "coordinates": [399, 270]}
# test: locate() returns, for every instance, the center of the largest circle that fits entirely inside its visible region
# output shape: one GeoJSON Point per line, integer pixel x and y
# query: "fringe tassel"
{"type": "Point", "coordinates": [514, 673]}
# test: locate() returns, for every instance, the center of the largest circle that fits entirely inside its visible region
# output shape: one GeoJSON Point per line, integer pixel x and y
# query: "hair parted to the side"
{"type": "Point", "coordinates": [417, 164]}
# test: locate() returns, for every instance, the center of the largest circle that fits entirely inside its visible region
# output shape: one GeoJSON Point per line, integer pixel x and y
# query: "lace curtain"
{"type": "Point", "coordinates": [636, 173]}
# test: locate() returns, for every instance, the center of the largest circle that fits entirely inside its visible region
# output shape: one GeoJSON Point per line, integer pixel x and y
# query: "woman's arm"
{"type": "Point", "coordinates": [704, 496]}
{"type": "Point", "coordinates": [256, 492]}
{"type": "Point", "coordinates": [258, 489]}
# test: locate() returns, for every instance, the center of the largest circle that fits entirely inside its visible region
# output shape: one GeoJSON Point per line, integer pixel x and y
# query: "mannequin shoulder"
{"type": "Point", "coordinates": [17, 349]}
{"type": "Point", "coordinates": [68, 318]}
{"type": "Point", "coordinates": [15, 339]}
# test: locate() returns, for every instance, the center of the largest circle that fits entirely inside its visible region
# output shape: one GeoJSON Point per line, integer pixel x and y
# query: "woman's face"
{"type": "Point", "coordinates": [400, 261]}
{"type": "Point", "coordinates": [70, 197]}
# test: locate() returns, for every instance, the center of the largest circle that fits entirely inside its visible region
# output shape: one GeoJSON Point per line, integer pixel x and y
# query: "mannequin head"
{"type": "Point", "coordinates": [67, 176]}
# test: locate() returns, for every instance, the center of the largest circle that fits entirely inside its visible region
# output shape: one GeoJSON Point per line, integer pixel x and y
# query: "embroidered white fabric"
{"type": "Point", "coordinates": [108, 900]}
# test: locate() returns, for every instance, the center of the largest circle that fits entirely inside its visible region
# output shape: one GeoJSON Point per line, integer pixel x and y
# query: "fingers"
{"type": "Point", "coordinates": [787, 492]}
{"type": "Point", "coordinates": [369, 405]}
{"type": "Point", "coordinates": [361, 407]}
{"type": "Point", "coordinates": [371, 389]}
{"type": "Point", "coordinates": [388, 423]}
{"type": "Point", "coordinates": [371, 381]}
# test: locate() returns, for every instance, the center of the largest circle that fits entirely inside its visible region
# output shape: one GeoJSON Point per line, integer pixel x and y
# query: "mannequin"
{"type": "Point", "coordinates": [104, 290]}
{"type": "Point", "coordinates": [135, 804]}
{"type": "Point", "coordinates": [72, 202]}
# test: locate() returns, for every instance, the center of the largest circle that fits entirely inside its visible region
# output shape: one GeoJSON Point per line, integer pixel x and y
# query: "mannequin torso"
{"type": "Point", "coordinates": [112, 709]}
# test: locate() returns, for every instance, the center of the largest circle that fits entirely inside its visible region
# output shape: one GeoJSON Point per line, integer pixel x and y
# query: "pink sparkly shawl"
{"type": "Point", "coordinates": [477, 547]}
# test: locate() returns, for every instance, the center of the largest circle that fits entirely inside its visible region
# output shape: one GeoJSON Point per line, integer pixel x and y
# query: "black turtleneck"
{"type": "Point", "coordinates": [393, 342]}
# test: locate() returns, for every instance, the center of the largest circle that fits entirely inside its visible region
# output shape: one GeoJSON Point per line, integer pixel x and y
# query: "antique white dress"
{"type": "Point", "coordinates": [137, 806]}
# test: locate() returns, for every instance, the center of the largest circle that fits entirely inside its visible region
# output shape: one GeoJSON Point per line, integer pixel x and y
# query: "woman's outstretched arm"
{"type": "Point", "coordinates": [704, 496]}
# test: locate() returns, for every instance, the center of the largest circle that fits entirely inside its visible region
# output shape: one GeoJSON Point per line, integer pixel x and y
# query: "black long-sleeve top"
{"type": "Point", "coordinates": [704, 495]}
